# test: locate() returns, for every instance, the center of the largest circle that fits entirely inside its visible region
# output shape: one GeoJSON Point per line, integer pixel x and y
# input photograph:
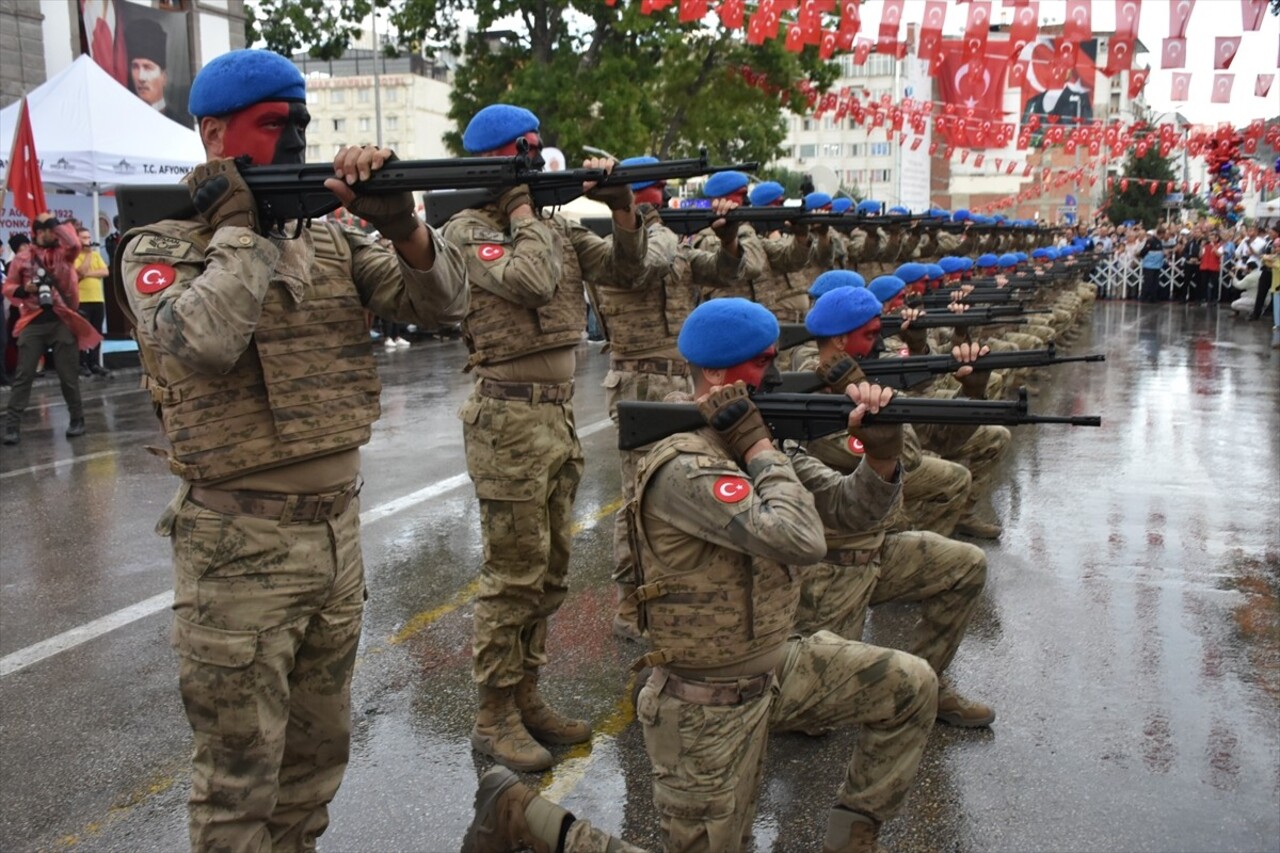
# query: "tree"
{"type": "Point", "coordinates": [1137, 202]}
{"type": "Point", "coordinates": [324, 28]}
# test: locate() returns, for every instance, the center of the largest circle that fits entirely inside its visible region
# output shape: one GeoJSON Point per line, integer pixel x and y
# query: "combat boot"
{"type": "Point", "coordinates": [501, 735]}
{"type": "Point", "coordinates": [850, 832]}
{"type": "Point", "coordinates": [976, 528]}
{"type": "Point", "coordinates": [511, 816]}
{"type": "Point", "coordinates": [626, 623]}
{"type": "Point", "coordinates": [12, 435]}
{"type": "Point", "coordinates": [956, 710]}
{"type": "Point", "coordinates": [542, 721]}
{"type": "Point", "coordinates": [75, 428]}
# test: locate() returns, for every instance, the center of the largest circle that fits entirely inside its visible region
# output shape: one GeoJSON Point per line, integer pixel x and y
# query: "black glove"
{"type": "Point", "coordinates": [392, 214]}
{"type": "Point", "coordinates": [840, 371]}
{"type": "Point", "coordinates": [730, 412]}
{"type": "Point", "coordinates": [514, 197]}
{"type": "Point", "coordinates": [883, 441]}
{"type": "Point", "coordinates": [221, 196]}
{"type": "Point", "coordinates": [616, 196]}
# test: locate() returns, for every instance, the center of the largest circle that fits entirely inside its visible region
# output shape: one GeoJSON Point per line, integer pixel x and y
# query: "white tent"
{"type": "Point", "coordinates": [92, 133]}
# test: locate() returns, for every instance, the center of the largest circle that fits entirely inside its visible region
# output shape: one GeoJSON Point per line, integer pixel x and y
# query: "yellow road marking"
{"type": "Point", "coordinates": [564, 777]}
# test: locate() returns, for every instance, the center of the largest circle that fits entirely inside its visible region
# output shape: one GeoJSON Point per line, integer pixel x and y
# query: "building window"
{"type": "Point", "coordinates": [831, 150]}
{"type": "Point", "coordinates": [393, 122]}
{"type": "Point", "coordinates": [313, 97]}
{"type": "Point", "coordinates": [393, 95]}
{"type": "Point", "coordinates": [364, 96]}
{"type": "Point", "coordinates": [881, 176]}
{"type": "Point", "coordinates": [363, 124]}
{"type": "Point", "coordinates": [340, 125]}
{"type": "Point", "coordinates": [313, 153]}
{"type": "Point", "coordinates": [808, 151]}
{"type": "Point", "coordinates": [879, 149]}
{"type": "Point", "coordinates": [857, 149]}
{"type": "Point", "coordinates": [336, 96]}
{"type": "Point", "coordinates": [393, 144]}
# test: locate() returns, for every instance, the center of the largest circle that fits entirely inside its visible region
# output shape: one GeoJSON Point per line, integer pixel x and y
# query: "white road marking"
{"type": "Point", "coordinates": [61, 463]}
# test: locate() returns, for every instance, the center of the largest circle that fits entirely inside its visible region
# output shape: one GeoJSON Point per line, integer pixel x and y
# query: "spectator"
{"type": "Point", "coordinates": [1152, 258]}
{"type": "Point", "coordinates": [42, 283]}
{"type": "Point", "coordinates": [1267, 239]}
{"type": "Point", "coordinates": [91, 269]}
{"type": "Point", "coordinates": [1210, 268]}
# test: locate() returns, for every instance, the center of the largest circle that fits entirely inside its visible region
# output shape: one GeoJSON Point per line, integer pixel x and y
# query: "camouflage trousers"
{"type": "Point", "coordinates": [934, 496]}
{"type": "Point", "coordinates": [266, 623]}
{"type": "Point", "coordinates": [525, 462]}
{"type": "Point", "coordinates": [981, 454]}
{"type": "Point", "coordinates": [943, 576]}
{"type": "Point", "coordinates": [631, 385]}
{"type": "Point", "coordinates": [708, 760]}
{"type": "Point", "coordinates": [582, 837]}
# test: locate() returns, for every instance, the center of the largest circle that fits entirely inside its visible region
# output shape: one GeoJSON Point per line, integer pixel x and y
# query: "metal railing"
{"type": "Point", "coordinates": [1120, 277]}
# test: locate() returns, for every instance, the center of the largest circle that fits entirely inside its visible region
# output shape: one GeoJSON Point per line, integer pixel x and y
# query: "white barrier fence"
{"type": "Point", "coordinates": [1120, 277]}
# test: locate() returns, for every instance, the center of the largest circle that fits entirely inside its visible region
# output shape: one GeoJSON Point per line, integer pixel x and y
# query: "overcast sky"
{"type": "Point", "coordinates": [1209, 19]}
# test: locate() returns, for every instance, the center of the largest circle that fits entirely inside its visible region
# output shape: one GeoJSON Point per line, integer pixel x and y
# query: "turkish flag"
{"type": "Point", "coordinates": [976, 85]}
{"type": "Point", "coordinates": [827, 45]}
{"type": "Point", "coordinates": [1119, 56]}
{"type": "Point", "coordinates": [1252, 11]}
{"type": "Point", "coordinates": [977, 161]}
{"type": "Point", "coordinates": [976, 28]}
{"type": "Point", "coordinates": [1022, 32]}
{"type": "Point", "coordinates": [935, 15]}
{"type": "Point", "coordinates": [890, 18]}
{"type": "Point", "coordinates": [1262, 85]}
{"type": "Point", "coordinates": [1078, 25]}
{"type": "Point", "coordinates": [861, 50]}
{"type": "Point", "coordinates": [731, 14]}
{"type": "Point", "coordinates": [1181, 86]}
{"type": "Point", "coordinates": [692, 10]}
{"type": "Point", "coordinates": [1179, 14]}
{"type": "Point", "coordinates": [24, 169]}
{"type": "Point", "coordinates": [794, 41]}
{"type": "Point", "coordinates": [1222, 88]}
{"type": "Point", "coordinates": [915, 143]}
{"type": "Point", "coordinates": [850, 18]}
{"type": "Point", "coordinates": [1128, 12]}
{"type": "Point", "coordinates": [1174, 53]}
{"type": "Point", "coordinates": [1137, 79]}
{"type": "Point", "coordinates": [1224, 50]}
{"type": "Point", "coordinates": [1026, 171]}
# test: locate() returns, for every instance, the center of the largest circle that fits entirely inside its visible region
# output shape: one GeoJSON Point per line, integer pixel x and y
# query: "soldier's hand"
{"type": "Point", "coordinates": [839, 371]}
{"type": "Point", "coordinates": [221, 196]}
{"type": "Point", "coordinates": [915, 338]}
{"type": "Point", "coordinates": [958, 307]}
{"type": "Point", "coordinates": [973, 382]}
{"type": "Point", "coordinates": [617, 196]}
{"type": "Point", "coordinates": [729, 411]}
{"type": "Point", "coordinates": [883, 441]}
{"type": "Point", "coordinates": [516, 201]}
{"type": "Point", "coordinates": [392, 214]}
{"type": "Point", "coordinates": [726, 231]}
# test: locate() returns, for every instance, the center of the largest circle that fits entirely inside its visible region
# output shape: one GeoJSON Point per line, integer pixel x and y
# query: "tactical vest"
{"type": "Point", "coordinates": [305, 387]}
{"type": "Point", "coordinates": [784, 294]}
{"type": "Point", "coordinates": [729, 609]}
{"type": "Point", "coordinates": [645, 321]}
{"type": "Point", "coordinates": [496, 329]}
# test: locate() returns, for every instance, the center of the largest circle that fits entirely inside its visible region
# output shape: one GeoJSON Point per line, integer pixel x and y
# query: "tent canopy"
{"type": "Point", "coordinates": [92, 133]}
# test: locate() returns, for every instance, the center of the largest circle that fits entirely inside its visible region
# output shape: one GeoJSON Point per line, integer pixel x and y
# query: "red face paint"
{"type": "Point", "coordinates": [752, 372]}
{"type": "Point", "coordinates": [272, 132]}
{"type": "Point", "coordinates": [650, 195]}
{"type": "Point", "coordinates": [860, 342]}
{"type": "Point", "coordinates": [509, 150]}
{"type": "Point", "coordinates": [895, 304]}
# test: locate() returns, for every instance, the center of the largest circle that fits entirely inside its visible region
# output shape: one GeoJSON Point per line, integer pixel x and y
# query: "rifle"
{"type": "Point", "coordinates": [941, 299]}
{"type": "Point", "coordinates": [691, 220]}
{"type": "Point", "coordinates": [803, 417]}
{"type": "Point", "coordinates": [793, 334]}
{"type": "Point", "coordinates": [285, 193]}
{"type": "Point", "coordinates": [553, 189]}
{"type": "Point", "coordinates": [912, 370]}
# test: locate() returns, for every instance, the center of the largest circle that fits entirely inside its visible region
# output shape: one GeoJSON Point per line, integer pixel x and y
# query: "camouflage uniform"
{"type": "Point", "coordinates": [641, 323]}
{"type": "Point", "coordinates": [257, 359]}
{"type": "Point", "coordinates": [719, 599]}
{"type": "Point", "coordinates": [527, 314]}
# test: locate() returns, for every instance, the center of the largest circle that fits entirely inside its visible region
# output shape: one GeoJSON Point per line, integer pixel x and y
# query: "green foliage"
{"type": "Point", "coordinates": [1137, 202]}
{"type": "Point", "coordinates": [324, 28]}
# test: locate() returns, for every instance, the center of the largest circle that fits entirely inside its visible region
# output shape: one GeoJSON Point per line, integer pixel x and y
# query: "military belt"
{"type": "Point", "coordinates": [851, 556]}
{"type": "Point", "coordinates": [526, 392]}
{"type": "Point", "coordinates": [733, 691]}
{"type": "Point", "coordinates": [663, 366]}
{"type": "Point", "coordinates": [287, 509]}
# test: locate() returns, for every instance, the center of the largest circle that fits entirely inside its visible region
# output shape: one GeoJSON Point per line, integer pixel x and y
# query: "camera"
{"type": "Point", "coordinates": [44, 286]}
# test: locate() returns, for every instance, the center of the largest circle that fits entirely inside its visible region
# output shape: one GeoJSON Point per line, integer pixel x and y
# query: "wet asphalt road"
{"type": "Point", "coordinates": [1129, 635]}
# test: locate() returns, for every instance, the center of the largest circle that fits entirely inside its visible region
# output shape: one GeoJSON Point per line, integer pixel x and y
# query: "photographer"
{"type": "Point", "coordinates": [42, 282]}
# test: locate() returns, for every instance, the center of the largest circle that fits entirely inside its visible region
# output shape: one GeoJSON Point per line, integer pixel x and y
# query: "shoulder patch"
{"type": "Point", "coordinates": [490, 251]}
{"type": "Point", "coordinates": [855, 446]}
{"type": "Point", "coordinates": [154, 278]}
{"type": "Point", "coordinates": [731, 490]}
{"type": "Point", "coordinates": [163, 246]}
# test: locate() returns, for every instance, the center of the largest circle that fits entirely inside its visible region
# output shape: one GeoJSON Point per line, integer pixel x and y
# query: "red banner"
{"type": "Point", "coordinates": [1119, 56]}
{"type": "Point", "coordinates": [976, 28]}
{"type": "Point", "coordinates": [1128, 12]}
{"type": "Point", "coordinates": [1138, 79]}
{"type": "Point", "coordinates": [1179, 14]}
{"type": "Point", "coordinates": [972, 93]}
{"type": "Point", "coordinates": [1078, 25]}
{"type": "Point", "coordinates": [1174, 53]}
{"type": "Point", "coordinates": [1224, 50]}
{"type": "Point", "coordinates": [1181, 86]}
{"type": "Point", "coordinates": [1252, 10]}
{"type": "Point", "coordinates": [24, 169]}
{"type": "Point", "coordinates": [1222, 88]}
{"type": "Point", "coordinates": [1262, 85]}
{"type": "Point", "coordinates": [935, 15]}
{"type": "Point", "coordinates": [890, 18]}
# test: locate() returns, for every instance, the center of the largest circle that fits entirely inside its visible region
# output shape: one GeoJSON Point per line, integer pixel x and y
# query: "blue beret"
{"type": "Point", "coordinates": [841, 205]}
{"type": "Point", "coordinates": [899, 210]}
{"type": "Point", "coordinates": [832, 279]}
{"type": "Point", "coordinates": [951, 264]}
{"type": "Point", "coordinates": [935, 270]}
{"type": "Point", "coordinates": [726, 332]}
{"type": "Point", "coordinates": [1008, 260]}
{"type": "Point", "coordinates": [988, 260]}
{"type": "Point", "coordinates": [1000, 217]}
{"type": "Point", "coordinates": [1042, 254]}
{"type": "Point", "coordinates": [638, 161]}
{"type": "Point", "coordinates": [242, 78]}
{"type": "Point", "coordinates": [938, 213]}
{"type": "Point", "coordinates": [869, 206]}
{"type": "Point", "coordinates": [1021, 256]}
{"type": "Point", "coordinates": [911, 272]}
{"type": "Point", "coordinates": [960, 215]}
{"type": "Point", "coordinates": [968, 264]}
{"type": "Point", "coordinates": [814, 201]}
{"type": "Point", "coordinates": [842, 310]}
{"type": "Point", "coordinates": [721, 184]}
{"type": "Point", "coordinates": [764, 194]}
{"type": "Point", "coordinates": [495, 126]}
{"type": "Point", "coordinates": [885, 287]}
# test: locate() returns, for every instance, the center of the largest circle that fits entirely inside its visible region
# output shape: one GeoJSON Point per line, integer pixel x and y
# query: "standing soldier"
{"type": "Point", "coordinates": [719, 518]}
{"type": "Point", "coordinates": [526, 317]}
{"type": "Point", "coordinates": [257, 358]}
{"type": "Point", "coordinates": [642, 321]}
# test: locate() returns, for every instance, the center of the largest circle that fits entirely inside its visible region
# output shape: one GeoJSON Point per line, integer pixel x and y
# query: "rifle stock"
{"type": "Point", "coordinates": [793, 334]}
{"type": "Point", "coordinates": [803, 417]}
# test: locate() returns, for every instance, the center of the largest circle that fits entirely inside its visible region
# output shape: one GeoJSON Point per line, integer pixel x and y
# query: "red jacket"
{"type": "Point", "coordinates": [1210, 261]}
{"type": "Point", "coordinates": [60, 261]}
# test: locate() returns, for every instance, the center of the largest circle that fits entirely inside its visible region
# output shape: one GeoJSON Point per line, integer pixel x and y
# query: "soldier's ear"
{"type": "Point", "coordinates": [213, 133]}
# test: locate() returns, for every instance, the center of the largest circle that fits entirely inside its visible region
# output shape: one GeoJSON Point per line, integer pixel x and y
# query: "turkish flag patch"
{"type": "Point", "coordinates": [730, 490]}
{"type": "Point", "coordinates": [490, 252]}
{"type": "Point", "coordinates": [154, 278]}
{"type": "Point", "coordinates": [855, 446]}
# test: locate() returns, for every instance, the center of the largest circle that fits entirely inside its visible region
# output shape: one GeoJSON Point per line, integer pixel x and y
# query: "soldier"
{"type": "Point", "coordinates": [641, 322]}
{"type": "Point", "coordinates": [719, 517]}
{"type": "Point", "coordinates": [257, 359]}
{"type": "Point", "coordinates": [865, 565]}
{"type": "Point", "coordinates": [525, 319]}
